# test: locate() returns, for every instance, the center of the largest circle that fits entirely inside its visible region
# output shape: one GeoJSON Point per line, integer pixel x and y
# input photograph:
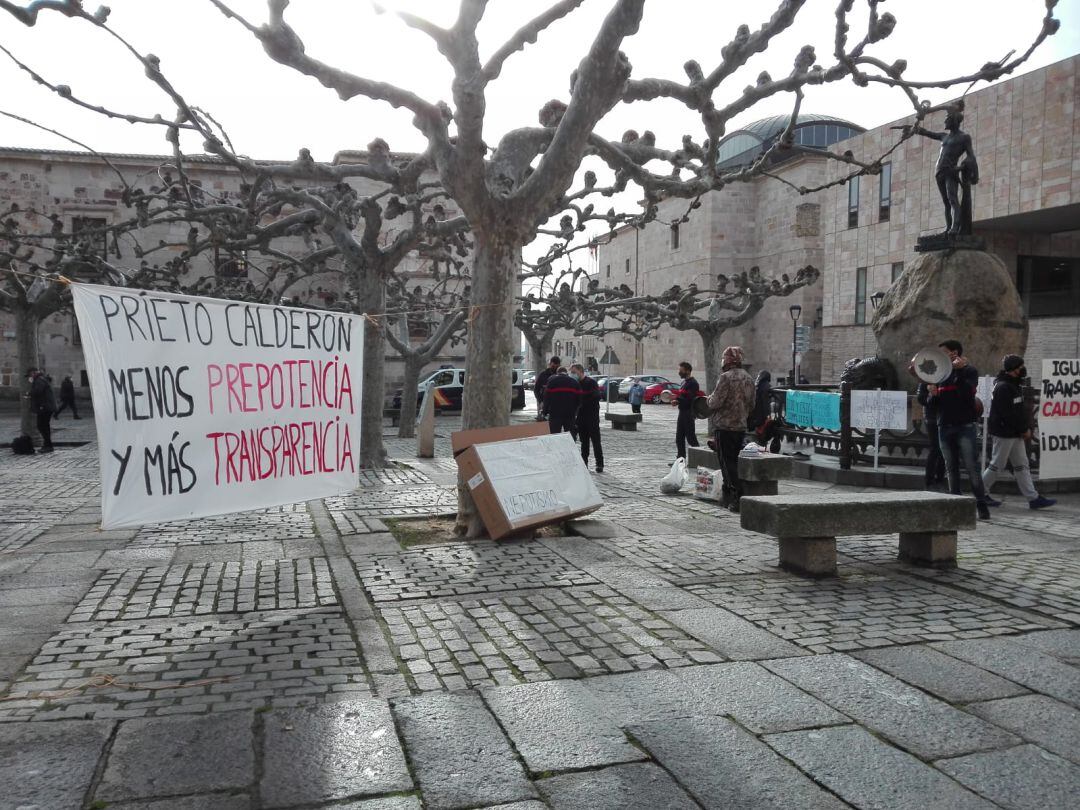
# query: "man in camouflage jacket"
{"type": "Point", "coordinates": [730, 403]}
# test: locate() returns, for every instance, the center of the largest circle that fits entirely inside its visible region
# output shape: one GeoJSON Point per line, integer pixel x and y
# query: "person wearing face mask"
{"type": "Point", "coordinates": [43, 404]}
{"type": "Point", "coordinates": [1010, 426]}
{"type": "Point", "coordinates": [588, 416]}
{"type": "Point", "coordinates": [685, 430]}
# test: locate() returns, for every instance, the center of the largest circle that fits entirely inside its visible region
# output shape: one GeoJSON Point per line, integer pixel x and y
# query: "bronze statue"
{"type": "Point", "coordinates": [952, 173]}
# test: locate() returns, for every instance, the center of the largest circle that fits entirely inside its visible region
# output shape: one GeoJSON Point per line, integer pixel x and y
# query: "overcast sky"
{"type": "Point", "coordinates": [271, 111]}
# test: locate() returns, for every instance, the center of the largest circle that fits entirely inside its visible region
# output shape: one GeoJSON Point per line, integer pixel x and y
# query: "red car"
{"type": "Point", "coordinates": [653, 392]}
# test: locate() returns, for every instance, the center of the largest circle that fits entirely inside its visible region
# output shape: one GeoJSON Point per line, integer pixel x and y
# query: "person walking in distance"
{"type": "Point", "coordinates": [685, 430]}
{"type": "Point", "coordinates": [730, 403]}
{"type": "Point", "coordinates": [67, 398]}
{"type": "Point", "coordinates": [636, 395]}
{"type": "Point", "coordinates": [954, 401]}
{"type": "Point", "coordinates": [42, 403]}
{"type": "Point", "coordinates": [588, 416]}
{"type": "Point", "coordinates": [1010, 426]}
{"type": "Point", "coordinates": [541, 382]}
{"type": "Point", "coordinates": [761, 422]}
{"type": "Point", "coordinates": [562, 395]}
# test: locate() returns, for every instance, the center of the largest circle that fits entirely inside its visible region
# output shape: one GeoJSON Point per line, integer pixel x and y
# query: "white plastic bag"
{"type": "Point", "coordinates": [708, 484]}
{"type": "Point", "coordinates": [675, 479]}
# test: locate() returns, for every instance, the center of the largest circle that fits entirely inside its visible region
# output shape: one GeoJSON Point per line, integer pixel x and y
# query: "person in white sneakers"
{"type": "Point", "coordinates": [1010, 426]}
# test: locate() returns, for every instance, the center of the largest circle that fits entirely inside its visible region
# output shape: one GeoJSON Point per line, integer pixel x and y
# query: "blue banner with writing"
{"type": "Point", "coordinates": [819, 409]}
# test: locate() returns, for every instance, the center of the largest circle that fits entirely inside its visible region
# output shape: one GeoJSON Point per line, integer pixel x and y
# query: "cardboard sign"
{"type": "Point", "coordinates": [205, 406]}
{"type": "Point", "coordinates": [527, 482]}
{"type": "Point", "coordinates": [1059, 420]}
{"type": "Point", "coordinates": [879, 410]}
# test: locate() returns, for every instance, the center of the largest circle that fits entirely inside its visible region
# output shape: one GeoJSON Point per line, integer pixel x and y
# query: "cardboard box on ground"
{"type": "Point", "coordinates": [523, 477]}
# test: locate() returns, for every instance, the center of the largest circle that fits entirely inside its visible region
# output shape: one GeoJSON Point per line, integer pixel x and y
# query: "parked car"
{"type": "Point", "coordinates": [449, 386]}
{"type": "Point", "coordinates": [529, 380]}
{"type": "Point", "coordinates": [609, 387]}
{"type": "Point", "coordinates": [647, 379]}
{"type": "Point", "coordinates": [654, 393]}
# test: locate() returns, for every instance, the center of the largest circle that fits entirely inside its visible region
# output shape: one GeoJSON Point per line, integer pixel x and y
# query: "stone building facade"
{"type": "Point", "coordinates": [82, 190]}
{"type": "Point", "coordinates": [860, 236]}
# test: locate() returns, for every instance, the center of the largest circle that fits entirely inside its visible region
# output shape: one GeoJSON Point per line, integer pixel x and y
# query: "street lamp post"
{"type": "Point", "coordinates": [795, 311]}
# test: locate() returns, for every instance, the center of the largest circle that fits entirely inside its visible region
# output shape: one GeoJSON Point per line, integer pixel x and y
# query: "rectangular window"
{"type": "Point", "coordinates": [84, 380]}
{"type": "Point", "coordinates": [228, 264]}
{"type": "Point", "coordinates": [1049, 287]}
{"type": "Point", "coordinates": [76, 335]}
{"type": "Point", "coordinates": [897, 270]}
{"type": "Point", "coordinates": [609, 271]}
{"type": "Point", "coordinates": [628, 266]}
{"type": "Point", "coordinates": [675, 236]}
{"type": "Point", "coordinates": [860, 295]}
{"type": "Point", "coordinates": [91, 232]}
{"type": "Point", "coordinates": [853, 202]}
{"type": "Point", "coordinates": [885, 193]}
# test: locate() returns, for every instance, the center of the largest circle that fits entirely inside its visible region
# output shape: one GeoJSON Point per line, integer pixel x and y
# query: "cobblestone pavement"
{"type": "Point", "coordinates": [299, 657]}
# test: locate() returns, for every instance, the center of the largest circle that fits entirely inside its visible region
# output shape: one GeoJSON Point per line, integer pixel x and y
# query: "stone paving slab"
{"type": "Point", "coordinates": [861, 610]}
{"type": "Point", "coordinates": [623, 787]}
{"type": "Point", "coordinates": [941, 675]}
{"type": "Point", "coordinates": [172, 756]}
{"type": "Point", "coordinates": [465, 568]}
{"type": "Point", "coordinates": [1025, 776]}
{"type": "Point", "coordinates": [726, 768]}
{"type": "Point", "coordinates": [50, 765]}
{"type": "Point", "coordinates": [1022, 664]}
{"type": "Point", "coordinates": [1062, 644]}
{"type": "Point", "coordinates": [532, 636]}
{"type": "Point", "coordinates": [730, 635]}
{"type": "Point", "coordinates": [868, 773]}
{"type": "Point", "coordinates": [904, 715]}
{"type": "Point", "coordinates": [1038, 719]}
{"type": "Point", "coordinates": [163, 666]}
{"type": "Point", "coordinates": [558, 726]}
{"type": "Point", "coordinates": [187, 590]}
{"type": "Point", "coordinates": [459, 754]}
{"type": "Point", "coordinates": [206, 801]}
{"type": "Point", "coordinates": [335, 751]}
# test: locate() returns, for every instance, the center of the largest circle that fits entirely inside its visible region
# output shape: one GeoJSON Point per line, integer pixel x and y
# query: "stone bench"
{"type": "Point", "coordinates": [807, 525]}
{"type": "Point", "coordinates": [759, 476]}
{"type": "Point", "coordinates": [623, 421]}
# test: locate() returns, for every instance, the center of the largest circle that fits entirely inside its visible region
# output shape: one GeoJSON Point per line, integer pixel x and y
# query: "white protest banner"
{"type": "Point", "coordinates": [879, 410]}
{"type": "Point", "coordinates": [1059, 420]}
{"type": "Point", "coordinates": [205, 406]}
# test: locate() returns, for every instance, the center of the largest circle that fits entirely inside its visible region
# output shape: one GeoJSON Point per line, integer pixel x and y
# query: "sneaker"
{"type": "Point", "coordinates": [991, 502]}
{"type": "Point", "coordinates": [1041, 502]}
{"type": "Point", "coordinates": [984, 512]}
{"type": "Point", "coordinates": [599, 468]}
{"type": "Point", "coordinates": [48, 449]}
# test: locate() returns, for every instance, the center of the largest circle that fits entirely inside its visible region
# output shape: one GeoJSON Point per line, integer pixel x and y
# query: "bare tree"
{"type": "Point", "coordinates": [510, 191]}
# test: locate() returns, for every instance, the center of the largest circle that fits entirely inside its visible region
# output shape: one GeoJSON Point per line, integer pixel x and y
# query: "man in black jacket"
{"type": "Point", "coordinates": [67, 398]}
{"type": "Point", "coordinates": [685, 429]}
{"type": "Point", "coordinates": [562, 395]}
{"type": "Point", "coordinates": [1010, 426]}
{"type": "Point", "coordinates": [541, 382]}
{"type": "Point", "coordinates": [43, 404]}
{"type": "Point", "coordinates": [588, 416]}
{"type": "Point", "coordinates": [954, 401]}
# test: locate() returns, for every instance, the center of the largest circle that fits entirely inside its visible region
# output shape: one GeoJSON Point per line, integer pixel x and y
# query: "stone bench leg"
{"type": "Point", "coordinates": [933, 549]}
{"type": "Point", "coordinates": [810, 556]}
{"type": "Point", "coordinates": [759, 487]}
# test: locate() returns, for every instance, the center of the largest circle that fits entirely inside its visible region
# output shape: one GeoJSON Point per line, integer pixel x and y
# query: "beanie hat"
{"type": "Point", "coordinates": [733, 356]}
{"type": "Point", "coordinates": [1011, 362]}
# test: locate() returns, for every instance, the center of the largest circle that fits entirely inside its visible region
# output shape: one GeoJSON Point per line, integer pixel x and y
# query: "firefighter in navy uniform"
{"type": "Point", "coordinates": [562, 395]}
{"type": "Point", "coordinates": [588, 416]}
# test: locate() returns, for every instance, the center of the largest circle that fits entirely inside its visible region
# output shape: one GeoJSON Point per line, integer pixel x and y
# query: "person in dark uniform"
{"type": "Point", "coordinates": [540, 382]}
{"type": "Point", "coordinates": [685, 431]}
{"type": "Point", "coordinates": [588, 416]}
{"type": "Point", "coordinates": [43, 404]}
{"type": "Point", "coordinates": [562, 394]}
{"type": "Point", "coordinates": [67, 398]}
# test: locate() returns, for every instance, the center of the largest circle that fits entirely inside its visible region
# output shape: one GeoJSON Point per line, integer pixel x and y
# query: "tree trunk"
{"type": "Point", "coordinates": [489, 354]}
{"type": "Point", "coordinates": [372, 300]}
{"type": "Point", "coordinates": [407, 426]}
{"type": "Point", "coordinates": [714, 357]}
{"type": "Point", "coordinates": [26, 335]}
{"type": "Point", "coordinates": [541, 351]}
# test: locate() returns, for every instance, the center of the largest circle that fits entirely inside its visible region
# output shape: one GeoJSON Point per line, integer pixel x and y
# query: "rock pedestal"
{"type": "Point", "coordinates": [965, 295]}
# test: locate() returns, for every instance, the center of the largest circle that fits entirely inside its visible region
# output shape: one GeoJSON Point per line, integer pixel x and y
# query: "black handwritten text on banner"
{"type": "Point", "coordinates": [205, 406]}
